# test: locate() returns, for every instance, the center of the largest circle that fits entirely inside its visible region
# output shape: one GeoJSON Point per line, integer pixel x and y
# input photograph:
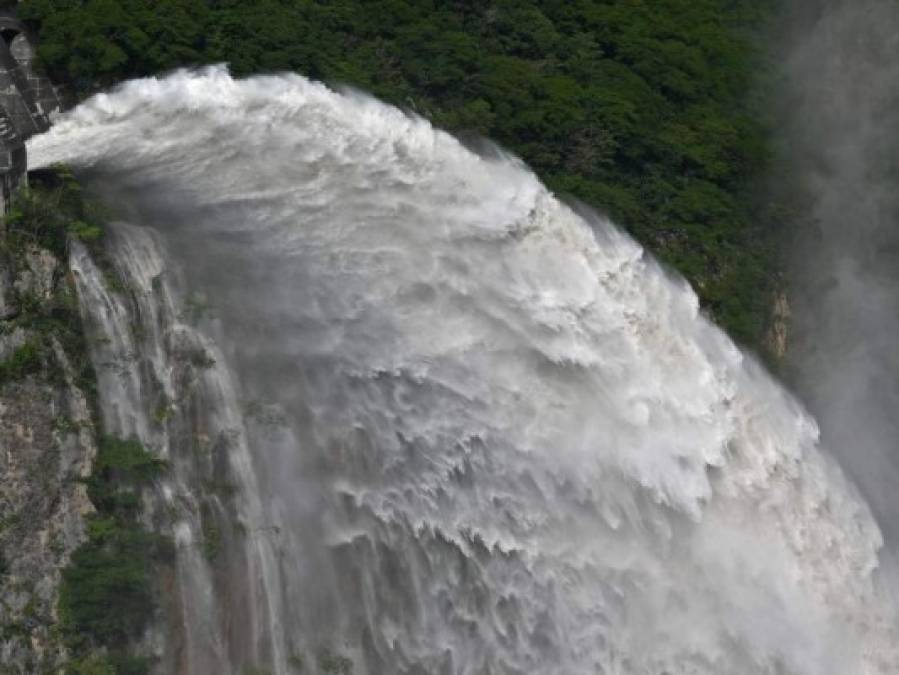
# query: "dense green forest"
{"type": "Point", "coordinates": [640, 108]}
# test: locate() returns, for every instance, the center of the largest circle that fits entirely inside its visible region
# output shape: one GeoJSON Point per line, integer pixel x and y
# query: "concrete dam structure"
{"type": "Point", "coordinates": [27, 101]}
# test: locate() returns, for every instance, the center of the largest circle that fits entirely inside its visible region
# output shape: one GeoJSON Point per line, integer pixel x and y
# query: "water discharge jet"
{"type": "Point", "coordinates": [468, 430]}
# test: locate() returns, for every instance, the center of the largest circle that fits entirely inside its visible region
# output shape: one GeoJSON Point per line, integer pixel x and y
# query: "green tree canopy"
{"type": "Point", "coordinates": [637, 107]}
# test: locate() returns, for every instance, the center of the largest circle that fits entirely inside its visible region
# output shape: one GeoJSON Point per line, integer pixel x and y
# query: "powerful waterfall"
{"type": "Point", "coordinates": [436, 421]}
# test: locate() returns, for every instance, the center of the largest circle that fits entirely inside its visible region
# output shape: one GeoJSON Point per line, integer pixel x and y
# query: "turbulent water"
{"type": "Point", "coordinates": [425, 416]}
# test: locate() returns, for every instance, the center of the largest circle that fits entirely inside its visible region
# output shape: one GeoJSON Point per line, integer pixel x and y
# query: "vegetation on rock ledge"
{"type": "Point", "coordinates": [45, 217]}
{"type": "Point", "coordinates": [106, 597]}
{"type": "Point", "coordinates": [50, 212]}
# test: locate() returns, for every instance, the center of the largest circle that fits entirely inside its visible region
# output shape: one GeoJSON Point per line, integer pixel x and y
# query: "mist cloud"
{"type": "Point", "coordinates": [841, 127]}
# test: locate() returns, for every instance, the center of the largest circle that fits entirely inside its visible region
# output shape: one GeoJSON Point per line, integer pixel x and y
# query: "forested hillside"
{"type": "Point", "coordinates": [640, 108]}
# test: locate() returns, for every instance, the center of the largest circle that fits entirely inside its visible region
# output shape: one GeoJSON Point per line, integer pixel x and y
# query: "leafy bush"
{"type": "Point", "coordinates": [50, 212]}
{"type": "Point", "coordinates": [107, 595]}
{"type": "Point", "coordinates": [121, 467]}
{"type": "Point", "coordinates": [126, 460]}
{"type": "Point", "coordinates": [25, 360]}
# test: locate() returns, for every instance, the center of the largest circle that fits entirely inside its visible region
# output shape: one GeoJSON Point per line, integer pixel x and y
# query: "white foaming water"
{"type": "Point", "coordinates": [469, 430]}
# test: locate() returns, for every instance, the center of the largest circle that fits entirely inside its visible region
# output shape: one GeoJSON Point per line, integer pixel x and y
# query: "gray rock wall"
{"type": "Point", "coordinates": [47, 444]}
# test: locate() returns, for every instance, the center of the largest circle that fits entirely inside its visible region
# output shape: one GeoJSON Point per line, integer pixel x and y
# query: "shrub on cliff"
{"type": "Point", "coordinates": [49, 213]}
{"type": "Point", "coordinates": [106, 596]}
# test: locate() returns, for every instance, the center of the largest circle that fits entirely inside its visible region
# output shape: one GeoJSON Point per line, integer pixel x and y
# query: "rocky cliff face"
{"type": "Point", "coordinates": [47, 431]}
{"type": "Point", "coordinates": [47, 445]}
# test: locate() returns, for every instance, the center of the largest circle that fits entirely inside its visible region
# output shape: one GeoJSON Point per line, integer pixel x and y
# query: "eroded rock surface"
{"type": "Point", "coordinates": [47, 444]}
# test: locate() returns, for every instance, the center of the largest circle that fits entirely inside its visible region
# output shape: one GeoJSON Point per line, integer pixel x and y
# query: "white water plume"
{"type": "Point", "coordinates": [483, 433]}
